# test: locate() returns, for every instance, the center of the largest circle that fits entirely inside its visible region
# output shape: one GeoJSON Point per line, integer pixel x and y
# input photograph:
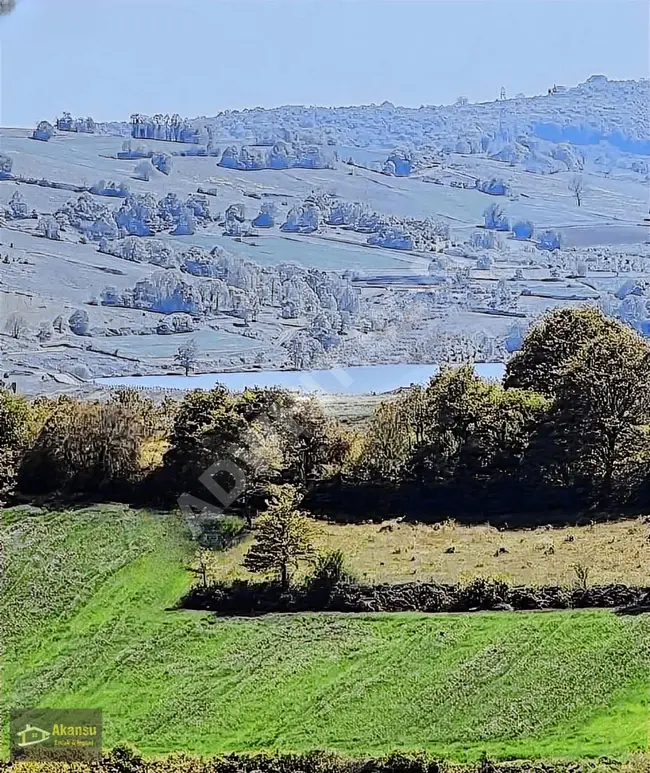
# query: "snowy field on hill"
{"type": "Point", "coordinates": [319, 237]}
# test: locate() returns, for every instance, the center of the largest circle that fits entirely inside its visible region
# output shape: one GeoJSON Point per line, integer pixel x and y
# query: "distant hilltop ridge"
{"type": "Point", "coordinates": [596, 111]}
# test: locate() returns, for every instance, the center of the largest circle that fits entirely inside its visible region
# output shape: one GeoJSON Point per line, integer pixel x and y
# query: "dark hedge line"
{"type": "Point", "coordinates": [503, 502]}
{"type": "Point", "coordinates": [124, 761]}
{"type": "Point", "coordinates": [257, 598]}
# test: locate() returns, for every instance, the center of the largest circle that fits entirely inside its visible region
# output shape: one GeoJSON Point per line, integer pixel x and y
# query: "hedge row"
{"type": "Point", "coordinates": [251, 598]}
{"type": "Point", "coordinates": [124, 761]}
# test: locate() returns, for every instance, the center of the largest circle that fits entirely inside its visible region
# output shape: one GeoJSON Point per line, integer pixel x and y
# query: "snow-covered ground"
{"type": "Point", "coordinates": [378, 255]}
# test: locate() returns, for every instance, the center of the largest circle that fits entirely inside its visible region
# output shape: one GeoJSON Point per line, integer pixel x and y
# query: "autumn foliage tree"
{"type": "Point", "coordinates": [92, 446]}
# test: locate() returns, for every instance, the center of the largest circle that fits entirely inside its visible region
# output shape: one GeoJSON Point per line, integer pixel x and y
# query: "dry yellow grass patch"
{"type": "Point", "coordinates": [448, 552]}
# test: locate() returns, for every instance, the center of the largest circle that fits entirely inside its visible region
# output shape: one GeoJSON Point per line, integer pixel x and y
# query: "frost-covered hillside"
{"type": "Point", "coordinates": [597, 110]}
{"type": "Point", "coordinates": [313, 237]}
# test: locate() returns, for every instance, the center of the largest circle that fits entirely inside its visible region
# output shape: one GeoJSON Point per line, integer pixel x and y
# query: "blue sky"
{"type": "Point", "coordinates": [109, 58]}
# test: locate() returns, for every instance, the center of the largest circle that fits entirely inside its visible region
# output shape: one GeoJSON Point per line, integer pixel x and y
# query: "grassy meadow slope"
{"type": "Point", "coordinates": [86, 607]}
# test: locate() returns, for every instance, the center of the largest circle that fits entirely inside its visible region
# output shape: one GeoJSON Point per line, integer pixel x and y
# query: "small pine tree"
{"type": "Point", "coordinates": [283, 536]}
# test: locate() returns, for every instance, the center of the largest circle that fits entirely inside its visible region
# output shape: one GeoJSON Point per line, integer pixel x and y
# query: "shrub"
{"type": "Point", "coordinates": [15, 421]}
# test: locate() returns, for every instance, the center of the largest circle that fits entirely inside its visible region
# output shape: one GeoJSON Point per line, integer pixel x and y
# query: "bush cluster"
{"type": "Point", "coordinates": [256, 598]}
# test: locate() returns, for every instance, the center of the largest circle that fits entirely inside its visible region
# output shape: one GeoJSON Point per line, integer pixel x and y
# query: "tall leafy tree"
{"type": "Point", "coordinates": [283, 536]}
{"type": "Point", "coordinates": [598, 433]}
{"type": "Point", "coordinates": [551, 345]}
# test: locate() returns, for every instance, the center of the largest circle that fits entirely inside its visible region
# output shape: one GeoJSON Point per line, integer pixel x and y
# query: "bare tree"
{"type": "Point", "coordinates": [577, 188]}
{"type": "Point", "coordinates": [143, 171]}
{"type": "Point", "coordinates": [187, 355]}
{"type": "Point", "coordinates": [16, 326]}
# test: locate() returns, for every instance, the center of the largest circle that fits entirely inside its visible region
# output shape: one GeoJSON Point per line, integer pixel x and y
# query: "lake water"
{"type": "Point", "coordinates": [352, 381]}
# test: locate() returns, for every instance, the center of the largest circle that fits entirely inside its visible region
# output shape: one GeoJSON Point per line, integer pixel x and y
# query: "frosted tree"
{"type": "Point", "coordinates": [44, 131]}
{"type": "Point", "coordinates": [162, 162]}
{"type": "Point", "coordinates": [549, 240]}
{"type": "Point", "coordinates": [399, 163]}
{"type": "Point", "coordinates": [230, 158]}
{"type": "Point", "coordinates": [199, 205]}
{"type": "Point", "coordinates": [577, 188]}
{"type": "Point", "coordinates": [396, 238]}
{"type": "Point", "coordinates": [495, 218]}
{"type": "Point", "coordinates": [266, 216]}
{"type": "Point", "coordinates": [6, 165]}
{"type": "Point", "coordinates": [170, 209]}
{"type": "Point", "coordinates": [83, 213]}
{"type": "Point", "coordinates": [303, 350]}
{"type": "Point", "coordinates": [103, 228]}
{"type": "Point", "coordinates": [485, 262]}
{"type": "Point", "coordinates": [494, 187]}
{"type": "Point", "coordinates": [281, 156]}
{"type": "Point", "coordinates": [438, 265]}
{"type": "Point", "coordinates": [139, 216]}
{"type": "Point", "coordinates": [235, 221]}
{"type": "Point", "coordinates": [236, 212]}
{"type": "Point", "coordinates": [523, 229]}
{"type": "Point", "coordinates": [634, 310]}
{"type": "Point", "coordinates": [187, 355]}
{"type": "Point", "coordinates": [305, 219]}
{"type": "Point", "coordinates": [186, 223]}
{"type": "Point", "coordinates": [182, 323]}
{"type": "Point", "coordinates": [234, 228]}
{"type": "Point", "coordinates": [486, 240]}
{"type": "Point", "coordinates": [48, 227]}
{"type": "Point", "coordinates": [79, 323]}
{"type": "Point", "coordinates": [110, 188]}
{"type": "Point", "coordinates": [143, 171]}
{"type": "Point", "coordinates": [18, 209]}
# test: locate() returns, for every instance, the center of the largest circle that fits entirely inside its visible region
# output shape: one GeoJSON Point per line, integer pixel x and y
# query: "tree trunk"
{"type": "Point", "coordinates": [608, 478]}
{"type": "Point", "coordinates": [284, 576]}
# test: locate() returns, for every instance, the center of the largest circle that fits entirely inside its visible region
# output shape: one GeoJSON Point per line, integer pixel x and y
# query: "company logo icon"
{"type": "Point", "coordinates": [31, 735]}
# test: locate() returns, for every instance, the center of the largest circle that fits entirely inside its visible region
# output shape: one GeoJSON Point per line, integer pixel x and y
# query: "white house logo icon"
{"type": "Point", "coordinates": [31, 735]}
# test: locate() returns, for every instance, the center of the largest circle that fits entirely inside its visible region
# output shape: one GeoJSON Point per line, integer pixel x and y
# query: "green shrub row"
{"type": "Point", "coordinates": [255, 598]}
{"type": "Point", "coordinates": [124, 761]}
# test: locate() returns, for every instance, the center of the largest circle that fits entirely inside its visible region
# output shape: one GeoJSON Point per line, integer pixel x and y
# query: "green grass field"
{"type": "Point", "coordinates": [86, 611]}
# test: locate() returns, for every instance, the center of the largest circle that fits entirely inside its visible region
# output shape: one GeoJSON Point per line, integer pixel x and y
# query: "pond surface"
{"type": "Point", "coordinates": [353, 381]}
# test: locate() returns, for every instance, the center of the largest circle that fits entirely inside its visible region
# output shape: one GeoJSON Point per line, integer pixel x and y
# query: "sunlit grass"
{"type": "Point", "coordinates": [402, 552]}
{"type": "Point", "coordinates": [87, 614]}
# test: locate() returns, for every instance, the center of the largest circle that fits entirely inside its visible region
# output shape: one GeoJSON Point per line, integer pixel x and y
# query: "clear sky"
{"type": "Point", "coordinates": [109, 58]}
